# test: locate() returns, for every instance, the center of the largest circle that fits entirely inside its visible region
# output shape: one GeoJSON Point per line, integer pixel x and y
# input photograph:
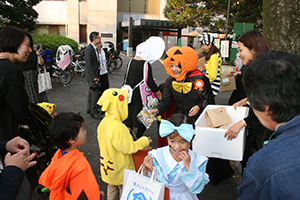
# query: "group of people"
{"type": "Point", "coordinates": [266, 83]}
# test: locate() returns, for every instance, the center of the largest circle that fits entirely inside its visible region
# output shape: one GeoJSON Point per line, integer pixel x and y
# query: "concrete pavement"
{"type": "Point", "coordinates": [73, 98]}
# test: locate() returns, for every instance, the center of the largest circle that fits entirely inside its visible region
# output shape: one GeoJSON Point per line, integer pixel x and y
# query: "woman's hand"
{"type": "Point", "coordinates": [148, 162]}
{"type": "Point", "coordinates": [186, 158]}
{"type": "Point", "coordinates": [20, 159]}
{"type": "Point", "coordinates": [17, 144]}
{"type": "Point", "coordinates": [194, 111]}
{"type": "Point", "coordinates": [154, 111]}
{"type": "Point", "coordinates": [240, 103]}
{"type": "Point", "coordinates": [234, 130]}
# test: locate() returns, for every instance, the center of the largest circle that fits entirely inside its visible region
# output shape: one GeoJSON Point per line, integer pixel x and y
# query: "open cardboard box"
{"type": "Point", "coordinates": [211, 142]}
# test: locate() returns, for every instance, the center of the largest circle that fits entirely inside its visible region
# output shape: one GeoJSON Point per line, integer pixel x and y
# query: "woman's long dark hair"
{"type": "Point", "coordinates": [213, 49]}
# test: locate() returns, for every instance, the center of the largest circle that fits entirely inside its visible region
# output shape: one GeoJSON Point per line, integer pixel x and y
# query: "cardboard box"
{"type": "Point", "coordinates": [211, 142]}
{"type": "Point", "coordinates": [227, 83]}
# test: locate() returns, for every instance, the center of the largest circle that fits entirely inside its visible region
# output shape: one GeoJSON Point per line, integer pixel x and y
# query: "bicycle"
{"type": "Point", "coordinates": [79, 64]}
{"type": "Point", "coordinates": [113, 60]}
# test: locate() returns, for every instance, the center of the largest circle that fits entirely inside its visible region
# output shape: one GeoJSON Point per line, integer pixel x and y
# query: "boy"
{"type": "Point", "coordinates": [115, 142]}
{"type": "Point", "coordinates": [69, 175]}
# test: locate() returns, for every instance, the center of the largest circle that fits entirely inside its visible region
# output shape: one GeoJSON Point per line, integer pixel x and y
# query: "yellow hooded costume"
{"type": "Point", "coordinates": [115, 142]}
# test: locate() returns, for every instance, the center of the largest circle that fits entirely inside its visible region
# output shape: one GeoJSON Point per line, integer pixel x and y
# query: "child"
{"type": "Point", "coordinates": [115, 142]}
{"type": "Point", "coordinates": [49, 107]}
{"type": "Point", "coordinates": [182, 170]}
{"type": "Point", "coordinates": [69, 175]}
{"type": "Point", "coordinates": [214, 61]}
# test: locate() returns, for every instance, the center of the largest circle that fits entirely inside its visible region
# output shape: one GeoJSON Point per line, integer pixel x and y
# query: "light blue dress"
{"type": "Point", "coordinates": [182, 184]}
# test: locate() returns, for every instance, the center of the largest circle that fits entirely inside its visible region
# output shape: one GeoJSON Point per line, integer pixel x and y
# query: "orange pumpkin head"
{"type": "Point", "coordinates": [184, 57]}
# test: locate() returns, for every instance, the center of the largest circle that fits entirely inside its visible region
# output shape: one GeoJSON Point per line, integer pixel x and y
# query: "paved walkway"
{"type": "Point", "coordinates": [73, 98]}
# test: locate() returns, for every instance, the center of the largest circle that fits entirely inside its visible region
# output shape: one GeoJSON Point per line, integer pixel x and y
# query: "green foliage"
{"type": "Point", "coordinates": [206, 13]}
{"type": "Point", "coordinates": [183, 12]}
{"type": "Point", "coordinates": [18, 13]}
{"type": "Point", "coordinates": [54, 41]}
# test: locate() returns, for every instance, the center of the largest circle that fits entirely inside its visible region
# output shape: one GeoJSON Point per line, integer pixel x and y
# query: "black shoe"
{"type": "Point", "coordinates": [97, 116]}
{"type": "Point", "coordinates": [88, 112]}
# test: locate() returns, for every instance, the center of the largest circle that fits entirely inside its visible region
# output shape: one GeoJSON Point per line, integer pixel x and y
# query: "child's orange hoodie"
{"type": "Point", "coordinates": [70, 177]}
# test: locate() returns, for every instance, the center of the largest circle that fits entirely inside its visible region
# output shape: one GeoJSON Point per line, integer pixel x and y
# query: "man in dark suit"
{"type": "Point", "coordinates": [92, 74]}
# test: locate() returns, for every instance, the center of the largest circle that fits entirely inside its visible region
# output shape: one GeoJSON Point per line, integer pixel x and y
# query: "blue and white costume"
{"type": "Point", "coordinates": [182, 184]}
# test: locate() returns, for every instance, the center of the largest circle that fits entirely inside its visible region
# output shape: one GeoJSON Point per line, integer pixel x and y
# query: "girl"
{"type": "Point", "coordinates": [187, 86]}
{"type": "Point", "coordinates": [187, 91]}
{"type": "Point", "coordinates": [182, 170]}
{"type": "Point", "coordinates": [213, 62]}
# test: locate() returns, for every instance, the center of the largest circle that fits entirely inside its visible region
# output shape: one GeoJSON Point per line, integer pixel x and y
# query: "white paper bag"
{"type": "Point", "coordinates": [44, 81]}
{"type": "Point", "coordinates": [138, 186]}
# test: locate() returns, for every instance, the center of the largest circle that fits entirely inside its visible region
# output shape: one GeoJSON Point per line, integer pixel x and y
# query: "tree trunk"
{"type": "Point", "coordinates": [281, 24]}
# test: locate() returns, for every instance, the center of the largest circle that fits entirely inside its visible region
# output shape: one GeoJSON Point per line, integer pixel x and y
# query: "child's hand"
{"type": "Point", "coordinates": [194, 111]}
{"type": "Point", "coordinates": [148, 162]}
{"type": "Point", "coordinates": [186, 158]}
{"type": "Point", "coordinates": [150, 140]}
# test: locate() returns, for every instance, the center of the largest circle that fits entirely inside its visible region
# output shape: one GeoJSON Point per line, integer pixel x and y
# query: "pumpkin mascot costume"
{"type": "Point", "coordinates": [190, 88]}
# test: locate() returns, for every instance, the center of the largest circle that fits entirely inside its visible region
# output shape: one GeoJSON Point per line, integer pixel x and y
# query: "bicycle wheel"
{"type": "Point", "coordinates": [118, 63]}
{"type": "Point", "coordinates": [81, 65]}
{"type": "Point", "coordinates": [110, 66]}
{"type": "Point", "coordinates": [67, 76]}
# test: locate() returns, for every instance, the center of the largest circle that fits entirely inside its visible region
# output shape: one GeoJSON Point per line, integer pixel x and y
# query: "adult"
{"type": "Point", "coordinates": [12, 175]}
{"type": "Point", "coordinates": [213, 62]}
{"type": "Point", "coordinates": [30, 72]}
{"type": "Point", "coordinates": [250, 45]}
{"type": "Point", "coordinates": [92, 74]}
{"type": "Point", "coordinates": [148, 51]}
{"type": "Point", "coordinates": [191, 44]}
{"type": "Point", "coordinates": [103, 70]}
{"type": "Point", "coordinates": [273, 171]}
{"type": "Point", "coordinates": [14, 47]}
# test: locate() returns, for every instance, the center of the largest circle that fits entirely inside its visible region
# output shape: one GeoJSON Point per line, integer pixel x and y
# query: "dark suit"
{"type": "Point", "coordinates": [92, 65]}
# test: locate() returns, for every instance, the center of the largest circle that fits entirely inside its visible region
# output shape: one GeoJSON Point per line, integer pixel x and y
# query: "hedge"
{"type": "Point", "coordinates": [53, 41]}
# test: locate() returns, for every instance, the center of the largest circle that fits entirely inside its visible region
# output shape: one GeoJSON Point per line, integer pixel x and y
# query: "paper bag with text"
{"type": "Point", "coordinates": [227, 83]}
{"type": "Point", "coordinates": [217, 117]}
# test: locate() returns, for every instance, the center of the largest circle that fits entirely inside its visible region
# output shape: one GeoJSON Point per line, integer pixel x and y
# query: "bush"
{"type": "Point", "coordinates": [54, 41]}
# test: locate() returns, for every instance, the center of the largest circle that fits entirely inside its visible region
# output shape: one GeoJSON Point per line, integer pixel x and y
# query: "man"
{"type": "Point", "coordinates": [273, 90]}
{"type": "Point", "coordinates": [92, 74]}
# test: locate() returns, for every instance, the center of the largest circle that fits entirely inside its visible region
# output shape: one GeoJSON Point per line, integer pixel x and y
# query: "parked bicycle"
{"type": "Point", "coordinates": [113, 59]}
{"type": "Point", "coordinates": [79, 62]}
{"type": "Point", "coordinates": [60, 65]}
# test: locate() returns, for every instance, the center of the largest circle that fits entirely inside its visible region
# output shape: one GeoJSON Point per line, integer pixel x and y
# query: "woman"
{"type": "Point", "coordinates": [213, 62]}
{"type": "Point", "coordinates": [15, 46]}
{"type": "Point", "coordinates": [103, 70]}
{"type": "Point", "coordinates": [30, 72]}
{"type": "Point", "coordinates": [148, 51]}
{"type": "Point", "coordinates": [250, 45]}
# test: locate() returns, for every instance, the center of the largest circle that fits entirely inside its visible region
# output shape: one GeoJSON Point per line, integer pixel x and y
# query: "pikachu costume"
{"type": "Point", "coordinates": [114, 139]}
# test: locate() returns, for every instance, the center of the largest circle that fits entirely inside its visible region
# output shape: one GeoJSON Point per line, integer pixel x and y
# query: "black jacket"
{"type": "Point", "coordinates": [92, 64]}
{"type": "Point", "coordinates": [184, 102]}
{"type": "Point", "coordinates": [13, 99]}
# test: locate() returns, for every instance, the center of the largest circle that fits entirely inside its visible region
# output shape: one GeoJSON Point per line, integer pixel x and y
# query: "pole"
{"type": "Point", "coordinates": [228, 11]}
{"type": "Point", "coordinates": [130, 29]}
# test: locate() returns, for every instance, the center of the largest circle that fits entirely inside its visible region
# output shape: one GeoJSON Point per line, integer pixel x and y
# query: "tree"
{"type": "Point", "coordinates": [281, 24]}
{"type": "Point", "coordinates": [18, 13]}
{"type": "Point", "coordinates": [183, 12]}
{"type": "Point", "coordinates": [210, 13]}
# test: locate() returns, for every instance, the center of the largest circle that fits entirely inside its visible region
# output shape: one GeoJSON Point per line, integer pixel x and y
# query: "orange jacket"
{"type": "Point", "coordinates": [70, 177]}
